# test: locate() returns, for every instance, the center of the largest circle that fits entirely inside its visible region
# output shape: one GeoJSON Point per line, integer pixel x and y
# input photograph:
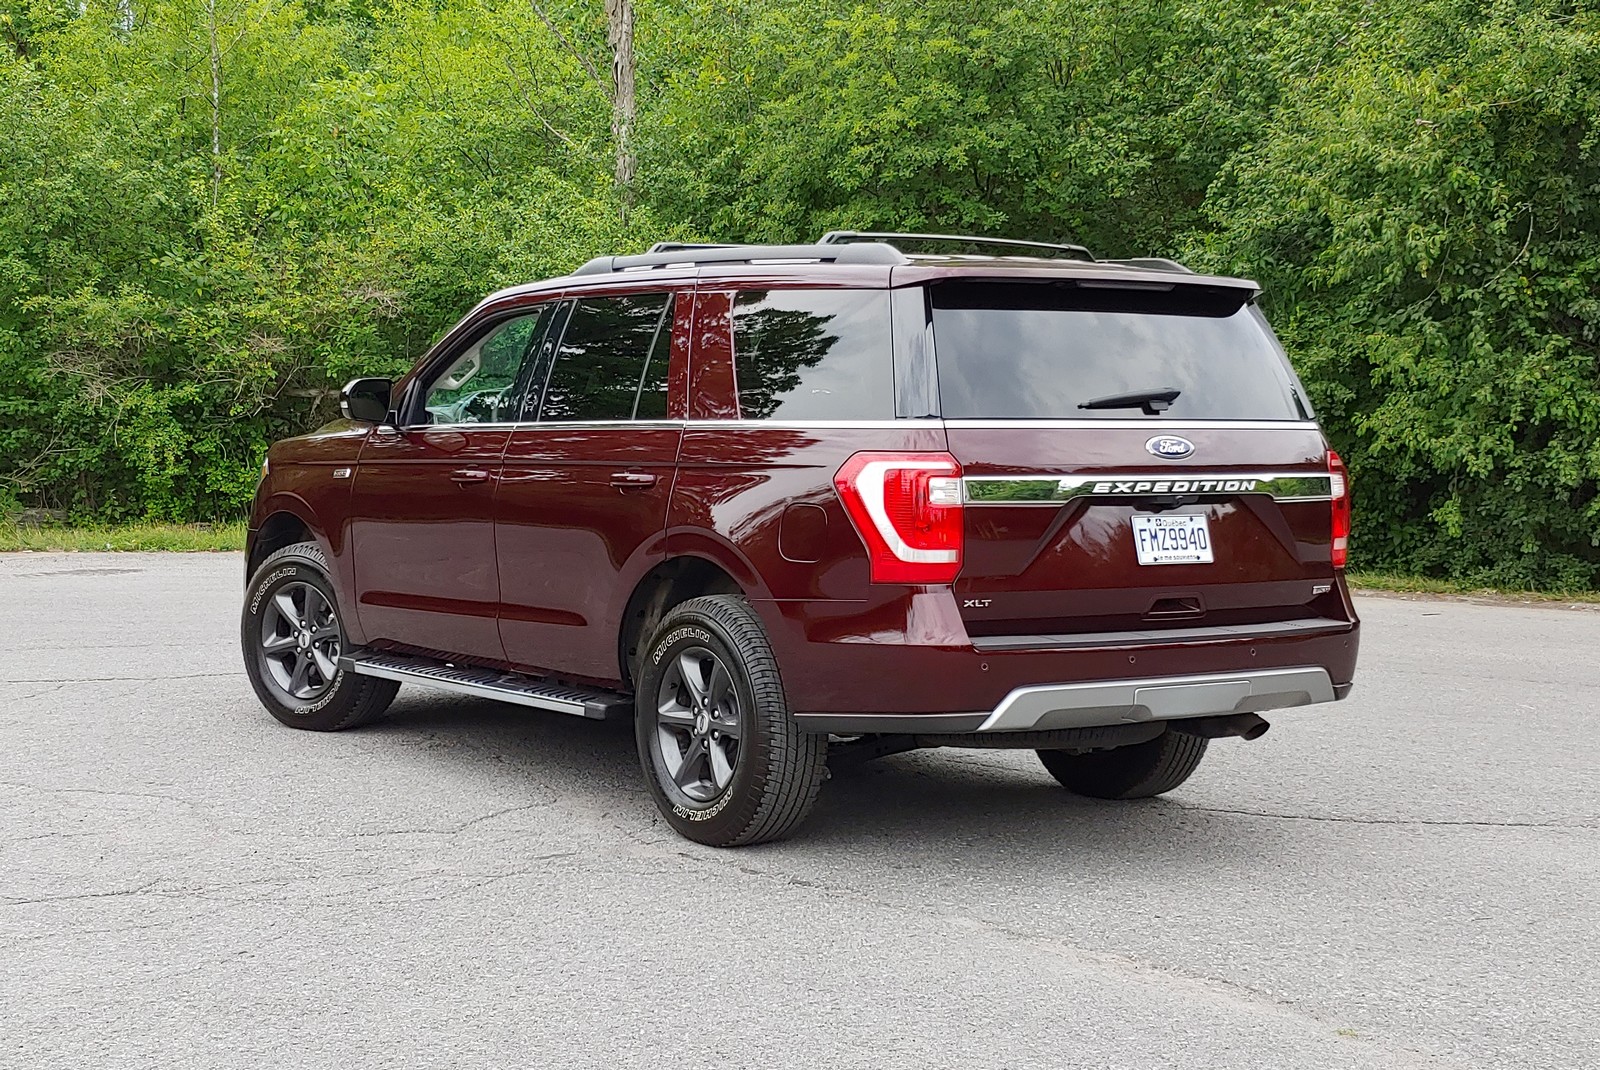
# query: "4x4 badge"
{"type": "Point", "coordinates": [1170, 446]}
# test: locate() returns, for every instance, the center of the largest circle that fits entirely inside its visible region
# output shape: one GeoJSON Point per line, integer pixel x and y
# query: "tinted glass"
{"type": "Point", "coordinates": [478, 387]}
{"type": "Point", "coordinates": [653, 389]}
{"type": "Point", "coordinates": [813, 355]}
{"type": "Point", "coordinates": [603, 358]}
{"type": "Point", "coordinates": [1026, 351]}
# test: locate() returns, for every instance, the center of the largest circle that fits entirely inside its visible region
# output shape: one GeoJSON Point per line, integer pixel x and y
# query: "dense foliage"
{"type": "Point", "coordinates": [212, 212]}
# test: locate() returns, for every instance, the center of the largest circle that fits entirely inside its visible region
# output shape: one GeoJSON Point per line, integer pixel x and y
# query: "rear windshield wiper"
{"type": "Point", "coordinates": [1151, 401]}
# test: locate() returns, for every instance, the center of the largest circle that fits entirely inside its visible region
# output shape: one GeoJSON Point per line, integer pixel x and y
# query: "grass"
{"type": "Point", "coordinates": [1391, 582]}
{"type": "Point", "coordinates": [178, 537]}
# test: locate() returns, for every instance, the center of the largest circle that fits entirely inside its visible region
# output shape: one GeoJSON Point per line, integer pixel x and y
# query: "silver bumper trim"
{"type": "Point", "coordinates": [1161, 698]}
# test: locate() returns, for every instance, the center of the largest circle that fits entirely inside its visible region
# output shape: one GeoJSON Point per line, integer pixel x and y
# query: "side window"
{"type": "Point", "coordinates": [813, 355]}
{"type": "Point", "coordinates": [479, 386]}
{"type": "Point", "coordinates": [608, 351]}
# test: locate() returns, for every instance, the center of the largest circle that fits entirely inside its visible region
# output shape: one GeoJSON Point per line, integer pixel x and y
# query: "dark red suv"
{"type": "Point", "coordinates": [849, 498]}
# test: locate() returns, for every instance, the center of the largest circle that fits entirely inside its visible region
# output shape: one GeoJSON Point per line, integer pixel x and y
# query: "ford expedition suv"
{"type": "Point", "coordinates": [777, 503]}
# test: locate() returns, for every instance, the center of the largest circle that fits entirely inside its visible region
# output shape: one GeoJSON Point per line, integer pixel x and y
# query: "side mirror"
{"type": "Point", "coordinates": [366, 399]}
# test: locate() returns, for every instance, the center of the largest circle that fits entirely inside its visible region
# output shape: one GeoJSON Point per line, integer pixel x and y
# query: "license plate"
{"type": "Point", "coordinates": [1172, 540]}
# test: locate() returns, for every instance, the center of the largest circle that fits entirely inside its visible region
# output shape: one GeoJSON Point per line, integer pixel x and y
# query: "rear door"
{"type": "Point", "coordinates": [583, 495]}
{"type": "Point", "coordinates": [1138, 457]}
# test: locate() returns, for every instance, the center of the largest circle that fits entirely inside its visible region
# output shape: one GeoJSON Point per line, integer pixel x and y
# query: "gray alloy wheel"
{"type": "Point", "coordinates": [291, 637]}
{"type": "Point", "coordinates": [722, 756]}
{"type": "Point", "coordinates": [698, 725]}
{"type": "Point", "coordinates": [300, 641]}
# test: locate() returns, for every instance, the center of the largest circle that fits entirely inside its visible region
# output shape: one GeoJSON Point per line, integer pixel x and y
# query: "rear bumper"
{"type": "Point", "coordinates": [910, 667]}
{"type": "Point", "coordinates": [1096, 704]}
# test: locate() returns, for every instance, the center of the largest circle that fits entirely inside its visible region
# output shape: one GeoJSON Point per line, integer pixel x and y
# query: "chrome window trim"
{"type": "Point", "coordinates": [916, 423]}
{"type": "Point", "coordinates": [925, 424]}
{"type": "Point", "coordinates": [1154, 424]}
{"type": "Point", "coordinates": [552, 425]}
{"type": "Point", "coordinates": [1053, 490]}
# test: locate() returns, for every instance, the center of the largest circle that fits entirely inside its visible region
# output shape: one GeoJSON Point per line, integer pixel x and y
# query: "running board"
{"type": "Point", "coordinates": [490, 683]}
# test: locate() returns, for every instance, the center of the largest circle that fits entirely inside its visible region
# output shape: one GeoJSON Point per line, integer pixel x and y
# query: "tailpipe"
{"type": "Point", "coordinates": [1243, 725]}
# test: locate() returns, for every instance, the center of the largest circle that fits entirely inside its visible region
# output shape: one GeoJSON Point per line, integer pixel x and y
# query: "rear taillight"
{"type": "Point", "coordinates": [907, 507]}
{"type": "Point", "coordinates": [1340, 479]}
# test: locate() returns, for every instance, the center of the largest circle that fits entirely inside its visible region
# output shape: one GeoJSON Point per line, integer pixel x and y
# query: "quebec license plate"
{"type": "Point", "coordinates": [1172, 540]}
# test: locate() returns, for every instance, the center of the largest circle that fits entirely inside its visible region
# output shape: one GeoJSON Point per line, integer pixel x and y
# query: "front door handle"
{"type": "Point", "coordinates": [467, 476]}
{"type": "Point", "coordinates": [633, 479]}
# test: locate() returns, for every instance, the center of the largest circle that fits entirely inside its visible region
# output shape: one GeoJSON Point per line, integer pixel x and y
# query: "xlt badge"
{"type": "Point", "coordinates": [975, 603]}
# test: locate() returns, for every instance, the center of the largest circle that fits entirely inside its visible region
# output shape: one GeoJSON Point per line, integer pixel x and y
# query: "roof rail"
{"type": "Point", "coordinates": [679, 246]}
{"type": "Point", "coordinates": [1034, 248]}
{"type": "Point", "coordinates": [691, 255]}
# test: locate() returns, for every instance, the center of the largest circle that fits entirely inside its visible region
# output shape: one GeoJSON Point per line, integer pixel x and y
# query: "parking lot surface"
{"type": "Point", "coordinates": [1405, 879]}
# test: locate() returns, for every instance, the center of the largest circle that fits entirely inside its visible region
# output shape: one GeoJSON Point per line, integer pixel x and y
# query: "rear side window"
{"type": "Point", "coordinates": [813, 355]}
{"type": "Point", "coordinates": [612, 361]}
{"type": "Point", "coordinates": [1044, 351]}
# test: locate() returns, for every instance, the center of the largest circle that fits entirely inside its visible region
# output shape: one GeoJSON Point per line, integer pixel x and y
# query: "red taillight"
{"type": "Point", "coordinates": [907, 507]}
{"type": "Point", "coordinates": [1340, 478]}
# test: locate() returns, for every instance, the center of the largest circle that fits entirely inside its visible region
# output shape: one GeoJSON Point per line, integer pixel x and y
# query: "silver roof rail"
{"type": "Point", "coordinates": [693, 255]}
{"type": "Point", "coordinates": [1023, 248]}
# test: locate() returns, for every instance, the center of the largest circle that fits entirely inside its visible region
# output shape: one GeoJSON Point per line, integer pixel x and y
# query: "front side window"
{"type": "Point", "coordinates": [478, 387]}
{"type": "Point", "coordinates": [813, 355]}
{"type": "Point", "coordinates": [612, 361]}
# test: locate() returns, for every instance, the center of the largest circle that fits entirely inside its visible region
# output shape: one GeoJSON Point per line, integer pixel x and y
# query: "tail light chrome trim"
{"type": "Point", "coordinates": [1054, 490]}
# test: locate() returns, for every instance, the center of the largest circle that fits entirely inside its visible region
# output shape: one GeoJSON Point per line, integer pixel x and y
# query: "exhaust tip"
{"type": "Point", "coordinates": [1249, 726]}
{"type": "Point", "coordinates": [1243, 725]}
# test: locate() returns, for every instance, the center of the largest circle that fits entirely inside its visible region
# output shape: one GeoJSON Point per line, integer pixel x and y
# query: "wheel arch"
{"type": "Point", "coordinates": [673, 581]}
{"type": "Point", "coordinates": [287, 520]}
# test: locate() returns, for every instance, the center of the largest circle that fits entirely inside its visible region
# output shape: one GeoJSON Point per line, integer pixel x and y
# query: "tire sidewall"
{"type": "Point", "coordinates": [737, 807]}
{"type": "Point", "coordinates": [294, 565]}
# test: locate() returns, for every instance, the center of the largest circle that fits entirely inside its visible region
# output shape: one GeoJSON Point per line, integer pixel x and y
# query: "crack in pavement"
{"type": "Point", "coordinates": [1337, 820]}
{"type": "Point", "coordinates": [143, 889]}
{"type": "Point", "coordinates": [64, 680]}
{"type": "Point", "coordinates": [98, 791]}
{"type": "Point", "coordinates": [456, 831]}
{"type": "Point", "coordinates": [1215, 988]}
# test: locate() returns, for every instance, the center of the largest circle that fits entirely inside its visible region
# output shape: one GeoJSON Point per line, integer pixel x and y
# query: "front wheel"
{"type": "Point", "coordinates": [293, 638]}
{"type": "Point", "coordinates": [724, 760]}
{"type": "Point", "coordinates": [1135, 772]}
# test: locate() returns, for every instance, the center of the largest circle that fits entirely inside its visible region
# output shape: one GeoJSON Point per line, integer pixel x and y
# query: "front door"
{"type": "Point", "coordinates": [422, 518]}
{"type": "Point", "coordinates": [583, 494]}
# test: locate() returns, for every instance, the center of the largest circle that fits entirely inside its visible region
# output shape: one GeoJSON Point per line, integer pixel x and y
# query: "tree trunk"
{"type": "Point", "coordinates": [619, 22]}
{"type": "Point", "coordinates": [216, 101]}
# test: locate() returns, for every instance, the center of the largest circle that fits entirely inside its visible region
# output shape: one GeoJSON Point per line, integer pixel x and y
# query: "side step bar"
{"type": "Point", "coordinates": [490, 683]}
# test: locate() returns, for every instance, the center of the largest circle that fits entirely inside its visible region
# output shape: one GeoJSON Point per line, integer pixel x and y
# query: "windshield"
{"type": "Point", "coordinates": [1076, 349]}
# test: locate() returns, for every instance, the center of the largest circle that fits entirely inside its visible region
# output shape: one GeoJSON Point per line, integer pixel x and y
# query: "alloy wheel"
{"type": "Point", "coordinates": [300, 641]}
{"type": "Point", "coordinates": [698, 724]}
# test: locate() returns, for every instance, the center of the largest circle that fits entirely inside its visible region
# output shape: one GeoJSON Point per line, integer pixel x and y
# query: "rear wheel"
{"type": "Point", "coordinates": [724, 760]}
{"type": "Point", "coordinates": [1135, 772]}
{"type": "Point", "coordinates": [293, 638]}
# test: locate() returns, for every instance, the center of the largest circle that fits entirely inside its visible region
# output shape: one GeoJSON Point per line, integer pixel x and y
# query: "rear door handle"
{"type": "Point", "coordinates": [466, 476]}
{"type": "Point", "coordinates": [633, 479]}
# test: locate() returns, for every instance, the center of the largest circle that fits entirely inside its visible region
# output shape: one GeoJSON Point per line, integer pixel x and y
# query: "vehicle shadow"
{"type": "Point", "coordinates": [929, 802]}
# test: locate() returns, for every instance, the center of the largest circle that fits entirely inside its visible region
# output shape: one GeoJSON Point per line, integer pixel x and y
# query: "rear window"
{"type": "Point", "coordinates": [813, 355]}
{"type": "Point", "coordinates": [1044, 351]}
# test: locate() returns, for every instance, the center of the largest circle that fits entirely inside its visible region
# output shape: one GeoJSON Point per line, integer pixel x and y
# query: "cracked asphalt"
{"type": "Point", "coordinates": [1406, 879]}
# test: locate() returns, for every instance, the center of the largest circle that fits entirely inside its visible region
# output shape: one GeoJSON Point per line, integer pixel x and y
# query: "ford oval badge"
{"type": "Point", "coordinates": [1170, 446]}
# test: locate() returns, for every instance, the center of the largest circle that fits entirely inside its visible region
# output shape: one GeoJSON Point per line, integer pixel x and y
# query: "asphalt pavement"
{"type": "Point", "coordinates": [1410, 878]}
